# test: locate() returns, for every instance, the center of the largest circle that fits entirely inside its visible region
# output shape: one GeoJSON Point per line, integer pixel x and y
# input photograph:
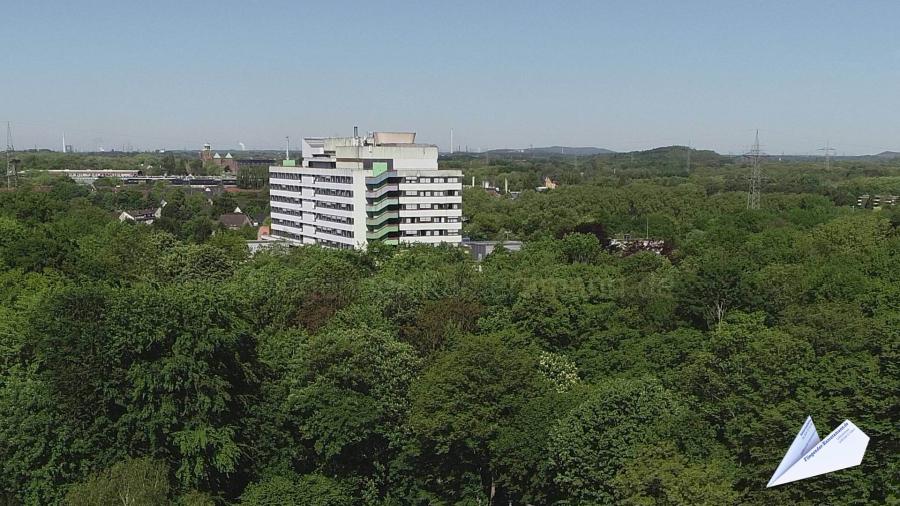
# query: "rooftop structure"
{"type": "Point", "coordinates": [145, 216]}
{"type": "Point", "coordinates": [481, 249]}
{"type": "Point", "coordinates": [235, 220]}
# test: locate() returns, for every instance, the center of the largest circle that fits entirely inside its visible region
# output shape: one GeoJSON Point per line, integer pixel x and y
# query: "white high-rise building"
{"type": "Point", "coordinates": [352, 190]}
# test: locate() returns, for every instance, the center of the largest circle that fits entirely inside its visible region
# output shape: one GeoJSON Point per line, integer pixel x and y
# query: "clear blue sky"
{"type": "Point", "coordinates": [623, 75]}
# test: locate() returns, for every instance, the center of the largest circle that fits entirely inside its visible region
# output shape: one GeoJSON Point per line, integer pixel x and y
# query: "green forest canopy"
{"type": "Point", "coordinates": [164, 361]}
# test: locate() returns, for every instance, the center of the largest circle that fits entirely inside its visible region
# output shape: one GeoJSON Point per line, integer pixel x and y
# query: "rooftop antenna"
{"type": "Point", "coordinates": [287, 148]}
{"type": "Point", "coordinates": [828, 150]}
{"type": "Point", "coordinates": [755, 175]}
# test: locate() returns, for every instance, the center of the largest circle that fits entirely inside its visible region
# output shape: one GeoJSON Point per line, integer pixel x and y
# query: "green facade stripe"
{"type": "Point", "coordinates": [374, 194]}
{"type": "Point", "coordinates": [374, 208]}
{"type": "Point", "coordinates": [381, 178]}
{"type": "Point", "coordinates": [378, 220]}
{"type": "Point", "coordinates": [383, 231]}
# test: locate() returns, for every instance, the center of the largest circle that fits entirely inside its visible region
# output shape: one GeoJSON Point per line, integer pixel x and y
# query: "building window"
{"type": "Point", "coordinates": [334, 205]}
{"type": "Point", "coordinates": [334, 193]}
{"type": "Point", "coordinates": [335, 179]}
{"type": "Point", "coordinates": [335, 219]}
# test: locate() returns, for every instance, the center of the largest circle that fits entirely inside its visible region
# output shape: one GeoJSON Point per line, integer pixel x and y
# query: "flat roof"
{"type": "Point", "coordinates": [488, 243]}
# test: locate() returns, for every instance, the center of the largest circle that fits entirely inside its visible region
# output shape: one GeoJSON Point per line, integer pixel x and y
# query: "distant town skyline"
{"type": "Point", "coordinates": [615, 75]}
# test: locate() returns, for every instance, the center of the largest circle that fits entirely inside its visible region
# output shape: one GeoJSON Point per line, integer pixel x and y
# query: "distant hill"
{"type": "Point", "coordinates": [888, 154]}
{"type": "Point", "coordinates": [557, 150]}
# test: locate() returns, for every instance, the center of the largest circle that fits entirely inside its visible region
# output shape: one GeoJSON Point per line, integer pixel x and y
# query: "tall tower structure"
{"type": "Point", "coordinates": [10, 160]}
{"type": "Point", "coordinates": [206, 154]}
{"type": "Point", "coordinates": [755, 175]}
{"type": "Point", "coordinates": [828, 150]}
{"type": "Point", "coordinates": [689, 157]}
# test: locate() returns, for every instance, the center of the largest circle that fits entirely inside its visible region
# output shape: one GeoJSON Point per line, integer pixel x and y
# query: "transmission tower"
{"type": "Point", "coordinates": [10, 161]}
{"type": "Point", "coordinates": [755, 175]}
{"type": "Point", "coordinates": [828, 150]}
{"type": "Point", "coordinates": [689, 157]}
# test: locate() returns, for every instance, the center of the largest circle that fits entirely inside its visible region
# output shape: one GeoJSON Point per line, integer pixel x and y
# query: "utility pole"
{"type": "Point", "coordinates": [828, 150]}
{"type": "Point", "coordinates": [755, 175]}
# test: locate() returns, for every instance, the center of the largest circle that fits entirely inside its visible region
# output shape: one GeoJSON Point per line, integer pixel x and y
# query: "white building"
{"type": "Point", "coordinates": [88, 176]}
{"type": "Point", "coordinates": [351, 190]}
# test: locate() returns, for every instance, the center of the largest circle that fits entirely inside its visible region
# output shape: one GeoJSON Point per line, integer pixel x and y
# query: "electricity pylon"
{"type": "Point", "coordinates": [10, 162]}
{"type": "Point", "coordinates": [828, 150]}
{"type": "Point", "coordinates": [755, 175]}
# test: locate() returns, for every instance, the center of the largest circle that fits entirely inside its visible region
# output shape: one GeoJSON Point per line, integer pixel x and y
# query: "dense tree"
{"type": "Point", "coordinates": [660, 474]}
{"type": "Point", "coordinates": [460, 406]}
{"type": "Point", "coordinates": [133, 482]}
{"type": "Point", "coordinates": [590, 444]}
{"type": "Point", "coordinates": [314, 490]}
{"type": "Point", "coordinates": [167, 363]}
{"type": "Point", "coordinates": [350, 400]}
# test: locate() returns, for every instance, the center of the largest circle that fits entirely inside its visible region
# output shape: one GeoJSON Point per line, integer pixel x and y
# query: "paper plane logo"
{"type": "Point", "coordinates": [810, 456]}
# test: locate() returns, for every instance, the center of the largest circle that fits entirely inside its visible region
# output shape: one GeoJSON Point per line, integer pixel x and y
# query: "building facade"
{"type": "Point", "coordinates": [227, 163]}
{"type": "Point", "coordinates": [231, 164]}
{"type": "Point", "coordinates": [352, 190]}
